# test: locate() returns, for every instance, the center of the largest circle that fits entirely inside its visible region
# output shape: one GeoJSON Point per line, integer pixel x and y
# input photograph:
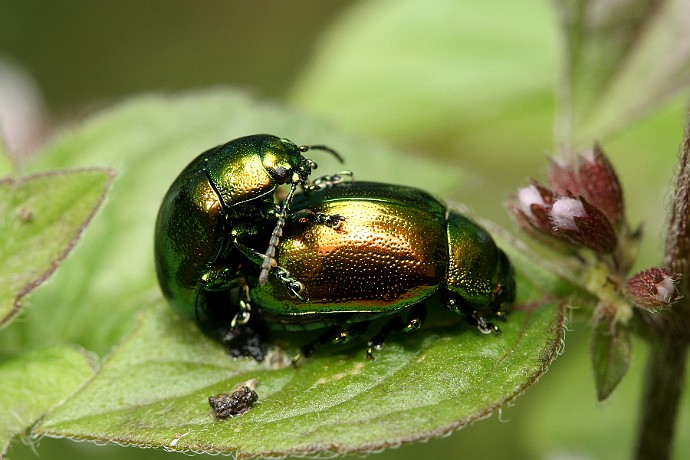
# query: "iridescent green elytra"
{"type": "Point", "coordinates": [211, 227]}
{"type": "Point", "coordinates": [361, 250]}
{"type": "Point", "coordinates": [397, 247]}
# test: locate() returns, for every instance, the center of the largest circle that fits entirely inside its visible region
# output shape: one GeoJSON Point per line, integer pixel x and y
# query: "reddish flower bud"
{"type": "Point", "coordinates": [600, 185]}
{"type": "Point", "coordinates": [583, 224]}
{"type": "Point", "coordinates": [592, 177]}
{"type": "Point", "coordinates": [530, 208]}
{"type": "Point", "coordinates": [653, 289]}
{"type": "Point", "coordinates": [563, 177]}
{"type": "Point", "coordinates": [535, 202]}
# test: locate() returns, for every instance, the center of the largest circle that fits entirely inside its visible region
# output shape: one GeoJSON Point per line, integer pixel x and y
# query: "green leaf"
{"type": "Point", "coordinates": [610, 351]}
{"type": "Point", "coordinates": [150, 140]}
{"type": "Point", "coordinates": [467, 78]}
{"type": "Point", "coordinates": [623, 60]}
{"type": "Point", "coordinates": [41, 219]}
{"type": "Point", "coordinates": [33, 383]}
{"type": "Point", "coordinates": [154, 390]}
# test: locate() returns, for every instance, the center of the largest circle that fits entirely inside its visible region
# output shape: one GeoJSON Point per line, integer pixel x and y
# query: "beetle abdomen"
{"type": "Point", "coordinates": [474, 258]}
{"type": "Point", "coordinates": [384, 257]}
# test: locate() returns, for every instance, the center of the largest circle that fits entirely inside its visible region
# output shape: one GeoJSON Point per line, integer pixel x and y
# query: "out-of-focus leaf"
{"type": "Point", "coordinates": [623, 59]}
{"type": "Point", "coordinates": [6, 166]}
{"type": "Point", "coordinates": [31, 384]}
{"type": "Point", "coordinates": [590, 426]}
{"type": "Point", "coordinates": [472, 78]}
{"type": "Point", "coordinates": [610, 353]}
{"type": "Point", "coordinates": [41, 219]}
{"type": "Point", "coordinates": [149, 141]}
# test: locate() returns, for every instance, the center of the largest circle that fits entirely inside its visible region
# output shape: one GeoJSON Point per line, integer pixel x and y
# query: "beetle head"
{"type": "Point", "coordinates": [283, 160]}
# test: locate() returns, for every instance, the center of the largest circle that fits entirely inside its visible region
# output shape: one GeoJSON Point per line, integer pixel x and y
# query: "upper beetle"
{"type": "Point", "coordinates": [213, 220]}
{"type": "Point", "coordinates": [396, 247]}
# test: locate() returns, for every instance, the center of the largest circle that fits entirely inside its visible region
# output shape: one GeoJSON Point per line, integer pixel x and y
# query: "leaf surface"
{"type": "Point", "coordinates": [154, 391]}
{"type": "Point", "coordinates": [610, 353]}
{"type": "Point", "coordinates": [41, 219]}
{"type": "Point", "coordinates": [34, 382]}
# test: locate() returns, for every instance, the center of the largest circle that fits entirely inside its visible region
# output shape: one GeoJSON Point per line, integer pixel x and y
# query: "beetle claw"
{"type": "Point", "coordinates": [294, 287]}
{"type": "Point", "coordinates": [370, 354]}
{"type": "Point", "coordinates": [335, 179]}
{"type": "Point", "coordinates": [242, 317]}
{"type": "Point", "coordinates": [310, 188]}
{"type": "Point", "coordinates": [334, 221]}
{"type": "Point", "coordinates": [483, 325]}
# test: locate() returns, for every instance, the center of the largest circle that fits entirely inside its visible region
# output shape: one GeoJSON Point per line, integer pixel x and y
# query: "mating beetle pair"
{"type": "Point", "coordinates": [215, 214]}
{"type": "Point", "coordinates": [346, 253]}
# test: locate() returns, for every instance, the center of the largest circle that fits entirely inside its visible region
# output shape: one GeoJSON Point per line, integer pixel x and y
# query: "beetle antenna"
{"type": "Point", "coordinates": [269, 258]}
{"type": "Point", "coordinates": [325, 148]}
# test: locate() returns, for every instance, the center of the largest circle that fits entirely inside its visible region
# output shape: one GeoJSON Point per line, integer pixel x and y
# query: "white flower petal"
{"type": "Point", "coordinates": [564, 211]}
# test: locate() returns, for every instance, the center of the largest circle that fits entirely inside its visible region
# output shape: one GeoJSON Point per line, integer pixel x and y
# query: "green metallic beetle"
{"type": "Point", "coordinates": [396, 248]}
{"type": "Point", "coordinates": [216, 218]}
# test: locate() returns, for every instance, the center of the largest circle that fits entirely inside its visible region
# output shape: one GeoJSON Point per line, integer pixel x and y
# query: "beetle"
{"type": "Point", "coordinates": [214, 217]}
{"type": "Point", "coordinates": [396, 248]}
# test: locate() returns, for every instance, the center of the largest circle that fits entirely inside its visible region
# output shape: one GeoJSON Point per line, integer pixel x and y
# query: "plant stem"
{"type": "Point", "coordinates": [661, 397]}
{"type": "Point", "coordinates": [669, 331]}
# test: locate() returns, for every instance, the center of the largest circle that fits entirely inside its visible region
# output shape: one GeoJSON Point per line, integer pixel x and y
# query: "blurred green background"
{"type": "Point", "coordinates": [467, 83]}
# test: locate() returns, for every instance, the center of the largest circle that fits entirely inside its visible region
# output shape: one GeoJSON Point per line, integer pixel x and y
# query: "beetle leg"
{"type": "Point", "coordinates": [334, 336]}
{"type": "Point", "coordinates": [214, 288]}
{"type": "Point", "coordinates": [396, 324]}
{"type": "Point", "coordinates": [269, 259]}
{"type": "Point", "coordinates": [219, 279]}
{"type": "Point", "coordinates": [308, 216]}
{"type": "Point", "coordinates": [292, 285]}
{"type": "Point", "coordinates": [243, 334]}
{"type": "Point", "coordinates": [332, 220]}
{"type": "Point", "coordinates": [335, 179]}
{"type": "Point", "coordinates": [472, 316]}
{"type": "Point", "coordinates": [483, 325]}
{"type": "Point", "coordinates": [242, 316]}
{"type": "Point", "coordinates": [252, 254]}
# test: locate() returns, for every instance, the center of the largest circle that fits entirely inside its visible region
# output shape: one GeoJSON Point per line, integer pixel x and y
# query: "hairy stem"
{"type": "Point", "coordinates": [669, 332]}
{"type": "Point", "coordinates": [663, 389]}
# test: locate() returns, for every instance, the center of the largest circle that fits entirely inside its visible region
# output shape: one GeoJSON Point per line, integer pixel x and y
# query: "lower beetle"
{"type": "Point", "coordinates": [396, 247]}
{"type": "Point", "coordinates": [214, 216]}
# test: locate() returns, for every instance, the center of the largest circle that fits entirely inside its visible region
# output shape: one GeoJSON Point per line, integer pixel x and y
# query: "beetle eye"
{"type": "Point", "coordinates": [281, 174]}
